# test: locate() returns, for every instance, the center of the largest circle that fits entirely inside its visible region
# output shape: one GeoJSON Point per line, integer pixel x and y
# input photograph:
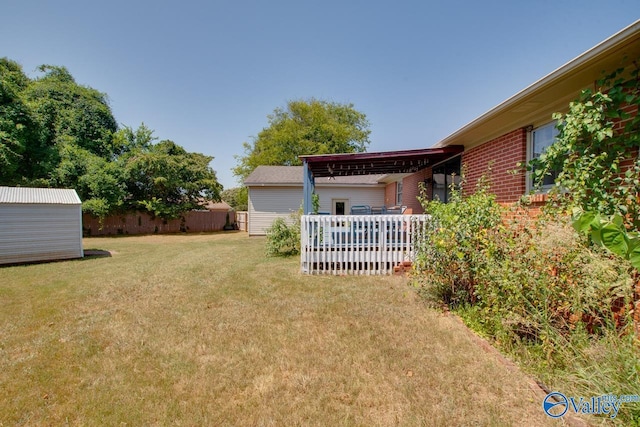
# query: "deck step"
{"type": "Point", "coordinates": [403, 268]}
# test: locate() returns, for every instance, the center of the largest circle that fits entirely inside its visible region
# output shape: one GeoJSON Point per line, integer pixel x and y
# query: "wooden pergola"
{"type": "Point", "coordinates": [387, 162]}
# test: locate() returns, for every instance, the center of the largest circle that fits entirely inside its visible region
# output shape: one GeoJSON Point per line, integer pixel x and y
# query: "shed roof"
{"type": "Point", "coordinates": [49, 196]}
{"type": "Point", "coordinates": [292, 175]}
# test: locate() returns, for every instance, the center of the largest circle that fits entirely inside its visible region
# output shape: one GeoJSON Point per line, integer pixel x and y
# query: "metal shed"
{"type": "Point", "coordinates": [39, 224]}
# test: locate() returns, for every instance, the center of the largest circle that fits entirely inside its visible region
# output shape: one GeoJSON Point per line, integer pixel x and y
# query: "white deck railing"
{"type": "Point", "coordinates": [358, 244]}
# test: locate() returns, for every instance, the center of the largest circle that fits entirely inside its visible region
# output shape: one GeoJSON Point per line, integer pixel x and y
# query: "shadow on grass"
{"type": "Point", "coordinates": [88, 255]}
{"type": "Point", "coordinates": [96, 253]}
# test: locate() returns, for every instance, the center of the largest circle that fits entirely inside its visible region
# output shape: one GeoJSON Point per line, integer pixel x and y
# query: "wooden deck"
{"type": "Point", "coordinates": [358, 244]}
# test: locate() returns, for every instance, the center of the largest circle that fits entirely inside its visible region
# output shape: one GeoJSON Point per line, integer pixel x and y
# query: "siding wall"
{"type": "Point", "coordinates": [269, 203]}
{"type": "Point", "coordinates": [40, 232]}
{"type": "Point", "coordinates": [356, 196]}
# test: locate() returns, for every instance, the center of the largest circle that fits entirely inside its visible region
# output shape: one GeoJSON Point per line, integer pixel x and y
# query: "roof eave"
{"type": "Point", "coordinates": [591, 64]}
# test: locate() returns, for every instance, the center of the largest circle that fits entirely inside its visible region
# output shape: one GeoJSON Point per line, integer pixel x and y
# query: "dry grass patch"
{"type": "Point", "coordinates": [204, 330]}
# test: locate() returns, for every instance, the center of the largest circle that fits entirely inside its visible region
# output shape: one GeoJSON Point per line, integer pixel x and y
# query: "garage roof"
{"type": "Point", "coordinates": [293, 175]}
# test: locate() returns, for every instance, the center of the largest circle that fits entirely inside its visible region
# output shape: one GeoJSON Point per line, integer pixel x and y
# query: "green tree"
{"type": "Point", "coordinates": [237, 198]}
{"type": "Point", "coordinates": [305, 127]}
{"type": "Point", "coordinates": [163, 179]}
{"type": "Point", "coordinates": [18, 127]}
{"type": "Point", "coordinates": [127, 140]}
{"type": "Point", "coordinates": [68, 113]}
{"type": "Point", "coordinates": [55, 132]}
{"type": "Point", "coordinates": [166, 180]}
{"type": "Point", "coordinates": [99, 182]}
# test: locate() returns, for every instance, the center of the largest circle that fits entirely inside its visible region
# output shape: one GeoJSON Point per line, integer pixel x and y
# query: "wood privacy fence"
{"type": "Point", "coordinates": [143, 223]}
{"type": "Point", "coordinates": [242, 219]}
{"type": "Point", "coordinates": [358, 244]}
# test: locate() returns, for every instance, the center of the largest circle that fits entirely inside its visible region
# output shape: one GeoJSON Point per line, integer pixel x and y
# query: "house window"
{"type": "Point", "coordinates": [445, 175]}
{"type": "Point", "coordinates": [399, 193]}
{"type": "Point", "coordinates": [541, 138]}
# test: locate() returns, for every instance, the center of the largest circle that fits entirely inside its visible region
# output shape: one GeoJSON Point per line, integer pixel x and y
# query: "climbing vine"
{"type": "Point", "coordinates": [596, 153]}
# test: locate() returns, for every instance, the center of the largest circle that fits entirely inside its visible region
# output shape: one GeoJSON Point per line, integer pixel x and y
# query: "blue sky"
{"type": "Point", "coordinates": [206, 74]}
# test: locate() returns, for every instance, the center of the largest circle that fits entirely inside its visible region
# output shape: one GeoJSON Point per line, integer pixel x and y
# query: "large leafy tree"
{"type": "Point", "coordinates": [100, 183]}
{"type": "Point", "coordinates": [305, 127]}
{"type": "Point", "coordinates": [163, 179]}
{"type": "Point", "coordinates": [55, 132]}
{"type": "Point", "coordinates": [71, 112]}
{"type": "Point", "coordinates": [127, 140]}
{"type": "Point", "coordinates": [166, 180]}
{"type": "Point", "coordinates": [237, 198]}
{"type": "Point", "coordinates": [68, 113]}
{"type": "Point", "coordinates": [18, 126]}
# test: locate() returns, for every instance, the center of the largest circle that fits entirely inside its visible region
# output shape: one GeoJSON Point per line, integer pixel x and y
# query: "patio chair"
{"type": "Point", "coordinates": [361, 210]}
{"type": "Point", "coordinates": [395, 210]}
{"type": "Point", "coordinates": [379, 210]}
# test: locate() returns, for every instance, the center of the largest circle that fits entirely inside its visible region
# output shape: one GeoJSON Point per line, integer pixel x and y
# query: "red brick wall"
{"type": "Point", "coordinates": [411, 189]}
{"type": "Point", "coordinates": [503, 153]}
{"type": "Point", "coordinates": [632, 110]}
{"type": "Point", "coordinates": [390, 194]}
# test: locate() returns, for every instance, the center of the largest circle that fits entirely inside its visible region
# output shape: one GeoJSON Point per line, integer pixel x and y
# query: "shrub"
{"type": "Point", "coordinates": [451, 252]}
{"type": "Point", "coordinates": [283, 239]}
{"type": "Point", "coordinates": [522, 276]}
{"type": "Point", "coordinates": [540, 279]}
{"type": "Point", "coordinates": [537, 289]}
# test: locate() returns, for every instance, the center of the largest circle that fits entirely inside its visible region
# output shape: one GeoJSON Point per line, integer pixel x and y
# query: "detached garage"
{"type": "Point", "coordinates": [39, 224]}
{"type": "Point", "coordinates": [276, 191]}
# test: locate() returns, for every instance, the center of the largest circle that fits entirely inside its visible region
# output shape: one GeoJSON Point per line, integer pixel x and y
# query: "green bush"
{"type": "Point", "coordinates": [283, 239]}
{"type": "Point", "coordinates": [537, 289]}
{"type": "Point", "coordinates": [452, 251]}
{"type": "Point", "coordinates": [522, 276]}
{"type": "Point", "coordinates": [540, 279]}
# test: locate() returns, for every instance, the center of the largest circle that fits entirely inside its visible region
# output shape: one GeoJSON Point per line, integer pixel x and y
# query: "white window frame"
{"type": "Point", "coordinates": [530, 153]}
{"type": "Point", "coordinates": [347, 206]}
{"type": "Point", "coordinates": [399, 193]}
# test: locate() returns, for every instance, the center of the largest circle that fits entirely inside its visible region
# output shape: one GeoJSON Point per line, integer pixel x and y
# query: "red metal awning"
{"type": "Point", "coordinates": [388, 162]}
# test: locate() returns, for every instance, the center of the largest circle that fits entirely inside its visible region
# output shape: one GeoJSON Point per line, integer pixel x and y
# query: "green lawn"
{"type": "Point", "coordinates": [204, 330]}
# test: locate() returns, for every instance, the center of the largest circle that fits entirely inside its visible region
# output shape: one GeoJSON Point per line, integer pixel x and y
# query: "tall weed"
{"type": "Point", "coordinates": [452, 251]}
{"type": "Point", "coordinates": [537, 289]}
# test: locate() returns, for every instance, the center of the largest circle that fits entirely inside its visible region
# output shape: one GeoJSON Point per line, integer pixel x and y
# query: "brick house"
{"type": "Point", "coordinates": [512, 132]}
